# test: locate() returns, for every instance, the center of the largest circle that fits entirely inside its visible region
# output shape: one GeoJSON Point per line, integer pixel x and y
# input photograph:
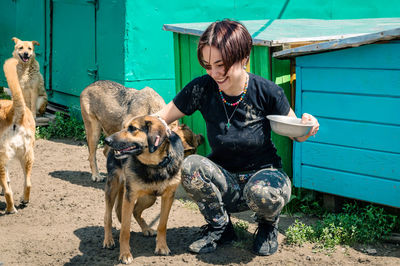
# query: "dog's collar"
{"type": "Point", "coordinates": [165, 161]}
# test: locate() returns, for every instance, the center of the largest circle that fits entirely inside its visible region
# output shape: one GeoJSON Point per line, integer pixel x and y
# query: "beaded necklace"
{"type": "Point", "coordinates": [242, 94]}
{"type": "Point", "coordinates": [235, 104]}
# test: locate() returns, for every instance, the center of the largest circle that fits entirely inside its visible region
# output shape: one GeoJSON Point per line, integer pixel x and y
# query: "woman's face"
{"type": "Point", "coordinates": [231, 83]}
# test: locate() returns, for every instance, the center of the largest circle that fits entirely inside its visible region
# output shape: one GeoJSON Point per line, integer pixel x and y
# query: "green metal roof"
{"type": "Point", "coordinates": [277, 32]}
{"type": "Point", "coordinates": [339, 44]}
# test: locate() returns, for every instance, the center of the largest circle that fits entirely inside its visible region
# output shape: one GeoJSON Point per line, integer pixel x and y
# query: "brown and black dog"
{"type": "Point", "coordinates": [189, 139]}
{"type": "Point", "coordinates": [17, 135]}
{"type": "Point", "coordinates": [144, 162]}
{"type": "Point", "coordinates": [105, 105]}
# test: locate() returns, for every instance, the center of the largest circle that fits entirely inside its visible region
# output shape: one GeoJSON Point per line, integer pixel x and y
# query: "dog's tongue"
{"type": "Point", "coordinates": [157, 141]}
{"type": "Point", "coordinates": [25, 59]}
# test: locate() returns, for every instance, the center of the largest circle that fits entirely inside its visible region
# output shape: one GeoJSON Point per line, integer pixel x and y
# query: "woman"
{"type": "Point", "coordinates": [243, 170]}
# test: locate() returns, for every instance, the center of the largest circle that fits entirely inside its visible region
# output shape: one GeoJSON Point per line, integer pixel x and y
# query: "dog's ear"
{"type": "Point", "coordinates": [156, 135]}
{"type": "Point", "coordinates": [200, 139]}
{"type": "Point", "coordinates": [15, 39]}
{"type": "Point", "coordinates": [36, 43]}
{"type": "Point", "coordinates": [185, 138]}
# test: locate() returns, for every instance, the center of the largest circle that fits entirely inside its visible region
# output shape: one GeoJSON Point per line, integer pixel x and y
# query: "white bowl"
{"type": "Point", "coordinates": [289, 126]}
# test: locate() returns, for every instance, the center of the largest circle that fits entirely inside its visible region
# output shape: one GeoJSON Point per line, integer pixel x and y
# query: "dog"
{"type": "Point", "coordinates": [17, 135]}
{"type": "Point", "coordinates": [189, 139]}
{"type": "Point", "coordinates": [30, 79]}
{"type": "Point", "coordinates": [144, 162]}
{"type": "Point", "coordinates": [105, 105]}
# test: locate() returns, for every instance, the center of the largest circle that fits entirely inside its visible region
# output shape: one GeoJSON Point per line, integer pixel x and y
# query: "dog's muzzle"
{"type": "Point", "coordinates": [120, 154]}
{"type": "Point", "coordinates": [24, 57]}
{"type": "Point", "coordinates": [123, 149]}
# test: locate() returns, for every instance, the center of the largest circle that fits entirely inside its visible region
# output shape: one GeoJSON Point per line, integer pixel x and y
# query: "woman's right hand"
{"type": "Point", "coordinates": [170, 113]}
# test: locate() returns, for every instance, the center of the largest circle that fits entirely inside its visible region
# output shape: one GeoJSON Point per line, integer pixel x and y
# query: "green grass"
{"type": "Point", "coordinates": [304, 202]}
{"type": "Point", "coordinates": [299, 233]}
{"type": "Point", "coordinates": [63, 126]}
{"type": "Point", "coordinates": [244, 237]}
{"type": "Point", "coordinates": [354, 225]}
{"type": "Point", "coordinates": [188, 204]}
{"type": "Point", "coordinates": [4, 95]}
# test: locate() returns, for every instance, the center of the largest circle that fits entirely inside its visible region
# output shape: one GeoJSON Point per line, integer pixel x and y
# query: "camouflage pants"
{"type": "Point", "coordinates": [218, 192]}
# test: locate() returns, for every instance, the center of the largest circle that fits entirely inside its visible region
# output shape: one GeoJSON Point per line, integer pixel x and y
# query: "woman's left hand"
{"type": "Point", "coordinates": [309, 118]}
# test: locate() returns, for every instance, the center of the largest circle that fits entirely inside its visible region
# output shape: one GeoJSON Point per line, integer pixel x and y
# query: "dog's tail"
{"type": "Point", "coordinates": [10, 71]}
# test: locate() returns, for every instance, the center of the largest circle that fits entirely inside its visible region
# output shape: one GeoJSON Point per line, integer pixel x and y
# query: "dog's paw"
{"type": "Point", "coordinates": [23, 204]}
{"type": "Point", "coordinates": [126, 258]}
{"type": "Point", "coordinates": [11, 210]}
{"type": "Point", "coordinates": [162, 250]}
{"type": "Point", "coordinates": [109, 243]}
{"type": "Point", "coordinates": [149, 232]}
{"type": "Point", "coordinates": [98, 178]}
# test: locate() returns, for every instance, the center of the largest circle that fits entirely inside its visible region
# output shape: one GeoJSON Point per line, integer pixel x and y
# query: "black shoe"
{"type": "Point", "coordinates": [211, 236]}
{"type": "Point", "coordinates": [266, 240]}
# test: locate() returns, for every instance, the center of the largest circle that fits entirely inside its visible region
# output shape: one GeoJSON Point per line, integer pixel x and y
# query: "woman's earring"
{"type": "Point", "coordinates": [244, 67]}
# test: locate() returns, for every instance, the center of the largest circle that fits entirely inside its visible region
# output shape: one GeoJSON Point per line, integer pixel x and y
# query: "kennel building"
{"type": "Point", "coordinates": [269, 36]}
{"type": "Point", "coordinates": [352, 86]}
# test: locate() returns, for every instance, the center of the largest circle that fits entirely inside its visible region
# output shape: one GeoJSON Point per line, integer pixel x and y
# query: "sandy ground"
{"type": "Point", "coordinates": [63, 224]}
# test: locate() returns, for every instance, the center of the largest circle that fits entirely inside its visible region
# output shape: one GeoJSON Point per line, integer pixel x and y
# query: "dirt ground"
{"type": "Point", "coordinates": [63, 224]}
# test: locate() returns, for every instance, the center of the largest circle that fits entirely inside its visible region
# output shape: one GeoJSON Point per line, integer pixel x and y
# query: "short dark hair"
{"type": "Point", "coordinates": [230, 37]}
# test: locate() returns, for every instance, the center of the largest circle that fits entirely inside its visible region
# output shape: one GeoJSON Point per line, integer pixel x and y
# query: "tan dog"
{"type": "Point", "coordinates": [144, 162]}
{"type": "Point", "coordinates": [17, 135]}
{"type": "Point", "coordinates": [105, 105]}
{"type": "Point", "coordinates": [30, 79]}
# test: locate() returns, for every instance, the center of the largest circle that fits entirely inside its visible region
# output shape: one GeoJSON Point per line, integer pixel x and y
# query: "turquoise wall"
{"type": "Point", "coordinates": [110, 34]}
{"type": "Point", "coordinates": [149, 57]}
{"type": "Point", "coordinates": [131, 47]}
{"type": "Point", "coordinates": [23, 24]}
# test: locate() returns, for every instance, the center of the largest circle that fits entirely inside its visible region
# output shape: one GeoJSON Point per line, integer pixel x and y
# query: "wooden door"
{"type": "Point", "coordinates": [73, 49]}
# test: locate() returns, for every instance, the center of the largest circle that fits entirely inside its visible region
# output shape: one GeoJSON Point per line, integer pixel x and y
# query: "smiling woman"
{"type": "Point", "coordinates": [243, 170]}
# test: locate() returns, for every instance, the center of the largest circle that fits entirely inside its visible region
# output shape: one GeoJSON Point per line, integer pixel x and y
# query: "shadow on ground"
{"type": "Point", "coordinates": [77, 178]}
{"type": "Point", "coordinates": [142, 248]}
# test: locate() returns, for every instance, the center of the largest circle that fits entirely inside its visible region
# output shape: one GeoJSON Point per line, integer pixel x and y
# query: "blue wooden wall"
{"type": "Point", "coordinates": [355, 94]}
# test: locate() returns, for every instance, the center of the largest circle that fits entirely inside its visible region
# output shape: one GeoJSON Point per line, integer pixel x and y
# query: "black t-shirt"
{"type": "Point", "coordinates": [246, 145]}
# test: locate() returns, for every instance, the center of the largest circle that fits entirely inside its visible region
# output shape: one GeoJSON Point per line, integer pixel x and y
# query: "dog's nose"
{"type": "Point", "coordinates": [25, 54]}
{"type": "Point", "coordinates": [108, 141]}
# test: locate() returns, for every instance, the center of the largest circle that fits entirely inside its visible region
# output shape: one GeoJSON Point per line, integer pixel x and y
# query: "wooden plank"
{"type": "Point", "coordinates": [177, 61]}
{"type": "Point", "coordinates": [339, 44]}
{"type": "Point", "coordinates": [372, 163]}
{"type": "Point", "coordinates": [352, 107]}
{"type": "Point", "coordinates": [279, 31]}
{"type": "Point", "coordinates": [185, 62]}
{"type": "Point", "coordinates": [68, 100]}
{"type": "Point", "coordinates": [352, 185]}
{"type": "Point", "coordinates": [280, 70]}
{"type": "Point", "coordinates": [260, 62]}
{"type": "Point", "coordinates": [374, 56]}
{"type": "Point", "coordinates": [196, 70]}
{"type": "Point", "coordinates": [52, 108]}
{"type": "Point", "coordinates": [297, 175]}
{"type": "Point", "coordinates": [358, 81]}
{"type": "Point", "coordinates": [362, 135]}
{"type": "Point", "coordinates": [82, 27]}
